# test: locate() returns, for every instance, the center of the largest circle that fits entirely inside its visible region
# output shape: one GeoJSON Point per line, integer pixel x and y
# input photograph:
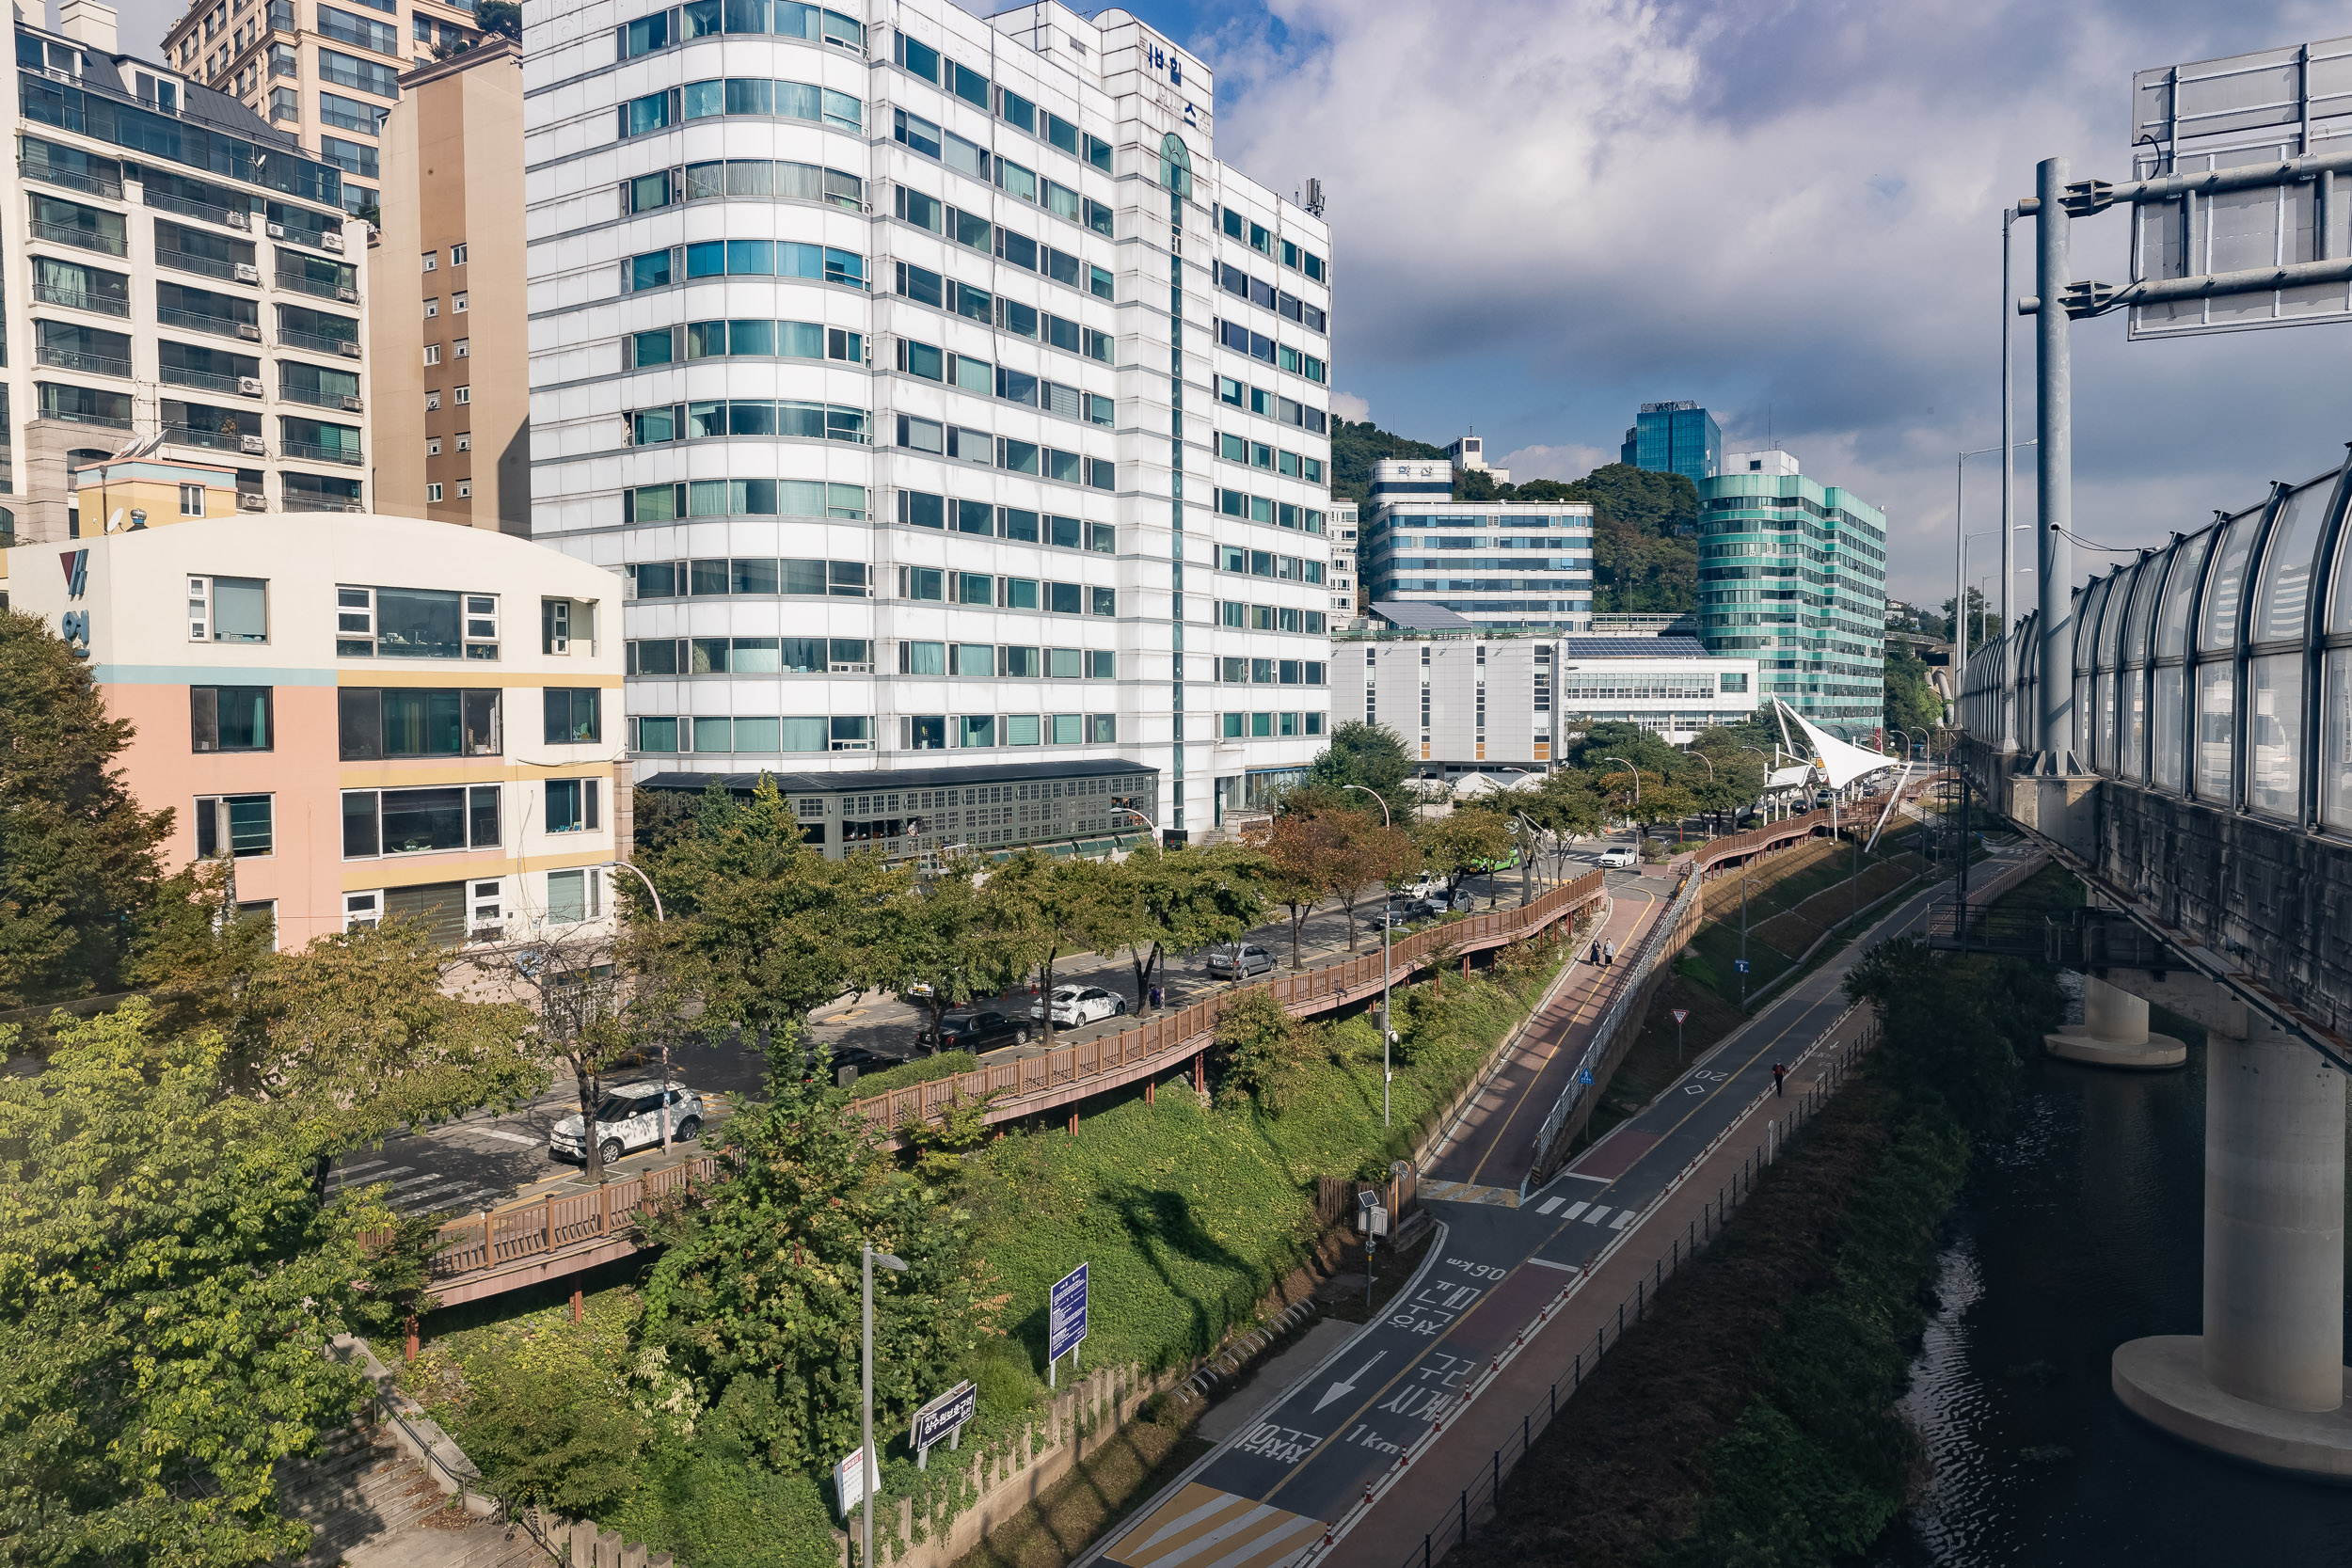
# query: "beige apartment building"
{"type": "Point", "coordinates": [183, 283]}
{"type": "Point", "coordinates": [450, 421]}
{"type": "Point", "coordinates": [325, 75]}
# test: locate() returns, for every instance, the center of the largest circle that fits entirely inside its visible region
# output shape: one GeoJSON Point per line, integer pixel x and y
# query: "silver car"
{"type": "Point", "coordinates": [1236, 960]}
{"type": "Point", "coordinates": [629, 1116]}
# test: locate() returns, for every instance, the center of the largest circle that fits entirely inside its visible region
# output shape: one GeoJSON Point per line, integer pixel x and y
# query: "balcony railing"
{"type": "Point", "coordinates": [310, 451]}
{"type": "Point", "coordinates": [80, 299]}
{"type": "Point", "coordinates": [182, 260]}
{"type": "Point", "coordinates": [75, 359]}
{"type": "Point", "coordinates": [316, 399]}
{"type": "Point", "coordinates": [304, 283]}
{"type": "Point", "coordinates": [226, 327]}
{"type": "Point", "coordinates": [287, 337]}
{"type": "Point", "coordinates": [76, 416]}
{"type": "Point", "coordinates": [298, 502]}
{"type": "Point", "coordinates": [210, 380]}
{"type": "Point", "coordinates": [365, 124]}
{"type": "Point", "coordinates": [81, 239]}
{"type": "Point", "coordinates": [163, 201]}
{"type": "Point", "coordinates": [50, 174]}
{"type": "Point", "coordinates": [219, 440]}
{"type": "Point", "coordinates": [358, 38]}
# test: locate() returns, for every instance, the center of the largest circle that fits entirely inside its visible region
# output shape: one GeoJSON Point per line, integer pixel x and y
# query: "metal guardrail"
{"type": "Point", "coordinates": [1031, 1084]}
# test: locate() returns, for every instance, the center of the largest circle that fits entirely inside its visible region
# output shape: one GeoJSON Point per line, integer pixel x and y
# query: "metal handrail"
{"type": "Point", "coordinates": [203, 266]}
{"type": "Point", "coordinates": [186, 207]}
{"type": "Point", "coordinates": [92, 364]}
{"type": "Point", "coordinates": [210, 381]}
{"type": "Point", "coordinates": [312, 452]}
{"type": "Point", "coordinates": [50, 174]}
{"type": "Point", "coordinates": [224, 326]}
{"type": "Point", "coordinates": [80, 299]}
{"type": "Point", "coordinates": [313, 343]}
{"type": "Point", "coordinates": [83, 239]}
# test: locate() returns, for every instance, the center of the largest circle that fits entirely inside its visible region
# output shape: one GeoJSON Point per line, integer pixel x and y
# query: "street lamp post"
{"type": "Point", "coordinates": [1765, 798]}
{"type": "Point", "coordinates": [1384, 965]}
{"type": "Point", "coordinates": [655, 894]}
{"type": "Point", "coordinates": [865, 1448]}
{"type": "Point", "coordinates": [1711, 768]}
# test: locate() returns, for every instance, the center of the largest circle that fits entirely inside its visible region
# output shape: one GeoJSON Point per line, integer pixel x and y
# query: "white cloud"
{"type": "Point", "coordinates": [1347, 406]}
{"type": "Point", "coordinates": [1567, 462]}
{"type": "Point", "coordinates": [1548, 210]}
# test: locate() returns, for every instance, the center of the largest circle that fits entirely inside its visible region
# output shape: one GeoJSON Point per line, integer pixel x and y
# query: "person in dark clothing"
{"type": "Point", "coordinates": [1155, 998]}
{"type": "Point", "coordinates": [1779, 1072]}
{"type": "Point", "coordinates": [1595, 954]}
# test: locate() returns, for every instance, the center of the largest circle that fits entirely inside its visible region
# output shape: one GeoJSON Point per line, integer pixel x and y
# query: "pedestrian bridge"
{"type": "Point", "coordinates": [2194, 768]}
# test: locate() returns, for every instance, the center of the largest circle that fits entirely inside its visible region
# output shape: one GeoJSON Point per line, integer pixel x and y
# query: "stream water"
{"type": "Point", "coordinates": [2082, 1228]}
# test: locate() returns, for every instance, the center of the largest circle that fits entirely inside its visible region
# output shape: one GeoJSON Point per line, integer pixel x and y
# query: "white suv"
{"type": "Point", "coordinates": [1076, 1004]}
{"type": "Point", "coordinates": [629, 1118]}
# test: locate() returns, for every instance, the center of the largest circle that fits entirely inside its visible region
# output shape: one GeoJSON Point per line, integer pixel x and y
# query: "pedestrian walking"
{"type": "Point", "coordinates": [1608, 954]}
{"type": "Point", "coordinates": [1156, 996]}
{"type": "Point", "coordinates": [1595, 954]}
{"type": "Point", "coordinates": [1779, 1072]}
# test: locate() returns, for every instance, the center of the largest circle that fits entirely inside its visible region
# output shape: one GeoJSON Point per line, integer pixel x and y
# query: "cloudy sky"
{"type": "Point", "coordinates": [1548, 212]}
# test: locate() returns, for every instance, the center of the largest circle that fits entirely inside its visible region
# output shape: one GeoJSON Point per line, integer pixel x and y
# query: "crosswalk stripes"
{"type": "Point", "coordinates": [1600, 1211]}
{"type": "Point", "coordinates": [1550, 1205]}
{"type": "Point", "coordinates": [1204, 1528]}
{"type": "Point", "coordinates": [1574, 1209]}
{"type": "Point", "coordinates": [1624, 1217]}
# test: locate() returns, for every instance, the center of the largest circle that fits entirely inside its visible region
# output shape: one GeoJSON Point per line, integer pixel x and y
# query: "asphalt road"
{"type": "Point", "coordinates": [1263, 1497]}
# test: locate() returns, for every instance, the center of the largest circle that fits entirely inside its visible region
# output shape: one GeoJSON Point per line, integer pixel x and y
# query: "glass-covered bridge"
{"type": "Point", "coordinates": [2218, 669]}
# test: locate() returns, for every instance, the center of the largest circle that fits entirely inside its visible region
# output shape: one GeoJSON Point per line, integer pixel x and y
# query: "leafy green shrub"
{"type": "Point", "coordinates": [549, 1425]}
{"type": "Point", "coordinates": [1264, 1048]}
{"type": "Point", "coordinates": [922, 1069]}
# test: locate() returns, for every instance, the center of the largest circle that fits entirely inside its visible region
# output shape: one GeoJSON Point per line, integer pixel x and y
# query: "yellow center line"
{"type": "Point", "coordinates": [1649, 901]}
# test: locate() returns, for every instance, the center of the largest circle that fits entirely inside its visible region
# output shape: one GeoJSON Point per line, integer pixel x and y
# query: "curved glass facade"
{"type": "Point", "coordinates": [2218, 668]}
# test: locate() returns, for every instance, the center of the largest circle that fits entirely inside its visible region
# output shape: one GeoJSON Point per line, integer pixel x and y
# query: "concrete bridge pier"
{"type": "Point", "coordinates": [2266, 1381]}
{"type": "Point", "coordinates": [2114, 1033]}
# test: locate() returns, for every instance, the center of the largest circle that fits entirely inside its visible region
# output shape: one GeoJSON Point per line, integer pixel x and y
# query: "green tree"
{"type": "Point", "coordinates": [1042, 907]}
{"type": "Point", "coordinates": [548, 1426]}
{"type": "Point", "coordinates": [169, 1288]}
{"type": "Point", "coordinates": [1161, 901]}
{"type": "Point", "coordinates": [1567, 805]}
{"type": "Point", "coordinates": [80, 862]}
{"type": "Point", "coordinates": [756, 1295]}
{"type": "Point", "coordinates": [761, 926]}
{"type": "Point", "coordinates": [1298, 844]}
{"type": "Point", "coordinates": [500, 19]}
{"type": "Point", "coordinates": [1265, 1051]}
{"type": "Point", "coordinates": [1370, 755]}
{"type": "Point", "coordinates": [1911, 702]}
{"type": "Point", "coordinates": [939, 942]}
{"type": "Point", "coordinates": [1645, 552]}
{"type": "Point", "coordinates": [1367, 853]}
{"type": "Point", "coordinates": [1466, 839]}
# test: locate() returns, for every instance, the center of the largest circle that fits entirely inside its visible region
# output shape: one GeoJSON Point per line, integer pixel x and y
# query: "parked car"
{"type": "Point", "coordinates": [1405, 913]}
{"type": "Point", "coordinates": [629, 1116]}
{"type": "Point", "coordinates": [1427, 887]}
{"type": "Point", "coordinates": [1619, 857]}
{"type": "Point", "coordinates": [981, 1031]}
{"type": "Point", "coordinates": [1238, 961]}
{"type": "Point", "coordinates": [1076, 1004]}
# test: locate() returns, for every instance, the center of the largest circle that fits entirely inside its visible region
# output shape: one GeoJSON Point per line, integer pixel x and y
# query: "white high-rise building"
{"type": "Point", "coordinates": [945, 403]}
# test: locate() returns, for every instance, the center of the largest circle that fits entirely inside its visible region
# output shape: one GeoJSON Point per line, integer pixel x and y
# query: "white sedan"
{"type": "Point", "coordinates": [1076, 1004]}
{"type": "Point", "coordinates": [1621, 858]}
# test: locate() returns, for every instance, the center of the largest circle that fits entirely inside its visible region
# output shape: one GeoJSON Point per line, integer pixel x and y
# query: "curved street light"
{"type": "Point", "coordinates": [1711, 779]}
{"type": "Point", "coordinates": [655, 894]}
{"type": "Point", "coordinates": [1385, 1074]}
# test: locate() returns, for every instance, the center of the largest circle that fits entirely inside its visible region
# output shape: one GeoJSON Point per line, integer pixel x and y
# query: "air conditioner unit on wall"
{"type": "Point", "coordinates": [276, 230]}
{"type": "Point", "coordinates": [351, 406]}
{"type": "Point", "coordinates": [331, 241]}
{"type": "Point", "coordinates": [241, 220]}
{"type": "Point", "coordinates": [248, 501]}
{"type": "Point", "coordinates": [250, 332]}
{"type": "Point", "coordinates": [347, 347]}
{"type": "Point", "coordinates": [349, 297]}
{"type": "Point", "coordinates": [252, 444]}
{"type": "Point", "coordinates": [248, 272]}
{"type": "Point", "coordinates": [249, 385]}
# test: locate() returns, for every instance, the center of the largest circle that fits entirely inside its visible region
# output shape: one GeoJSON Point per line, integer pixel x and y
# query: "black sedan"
{"type": "Point", "coordinates": [975, 1031]}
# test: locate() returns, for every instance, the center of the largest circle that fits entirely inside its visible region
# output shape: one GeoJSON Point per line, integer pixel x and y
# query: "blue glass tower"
{"type": "Point", "coordinates": [1675, 438]}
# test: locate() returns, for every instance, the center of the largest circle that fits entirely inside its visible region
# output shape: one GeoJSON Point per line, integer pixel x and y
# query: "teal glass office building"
{"type": "Point", "coordinates": [1792, 572]}
{"type": "Point", "coordinates": [1675, 438]}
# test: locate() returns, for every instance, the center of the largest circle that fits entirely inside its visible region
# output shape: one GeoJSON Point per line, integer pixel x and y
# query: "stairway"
{"type": "Point", "coordinates": [371, 1506]}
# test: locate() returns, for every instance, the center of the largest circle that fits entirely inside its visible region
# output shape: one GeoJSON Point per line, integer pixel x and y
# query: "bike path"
{"type": "Point", "coordinates": [1264, 1498]}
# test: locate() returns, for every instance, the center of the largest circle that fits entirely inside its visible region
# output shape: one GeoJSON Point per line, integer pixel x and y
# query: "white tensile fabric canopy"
{"type": "Point", "coordinates": [1839, 762]}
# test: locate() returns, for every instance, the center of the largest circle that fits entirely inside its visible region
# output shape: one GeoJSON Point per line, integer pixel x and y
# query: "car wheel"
{"type": "Point", "coordinates": [1019, 1036]}
{"type": "Point", "coordinates": [688, 1130]}
{"type": "Point", "coordinates": [1119, 1009]}
{"type": "Point", "coordinates": [611, 1150]}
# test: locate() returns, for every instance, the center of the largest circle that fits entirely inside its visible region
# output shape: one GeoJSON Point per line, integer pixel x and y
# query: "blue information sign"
{"type": "Point", "coordinates": [1740, 965]}
{"type": "Point", "coordinates": [1066, 1314]}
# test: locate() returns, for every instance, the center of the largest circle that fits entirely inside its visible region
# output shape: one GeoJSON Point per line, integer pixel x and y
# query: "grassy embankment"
{"type": "Point", "coordinates": [1187, 1211]}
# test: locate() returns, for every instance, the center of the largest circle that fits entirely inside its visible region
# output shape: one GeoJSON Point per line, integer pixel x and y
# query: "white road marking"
{"type": "Point", "coordinates": [370, 1181]}
{"type": "Point", "coordinates": [1551, 1204]}
{"type": "Point", "coordinates": [1575, 1211]}
{"type": "Point", "coordinates": [504, 1136]}
{"type": "Point", "coordinates": [1624, 1217]}
{"type": "Point", "coordinates": [1594, 1217]}
{"type": "Point", "coordinates": [1340, 1389]}
{"type": "Point", "coordinates": [1548, 1264]}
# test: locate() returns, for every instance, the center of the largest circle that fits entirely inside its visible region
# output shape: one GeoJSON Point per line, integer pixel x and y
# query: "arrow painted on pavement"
{"type": "Point", "coordinates": [1349, 1387]}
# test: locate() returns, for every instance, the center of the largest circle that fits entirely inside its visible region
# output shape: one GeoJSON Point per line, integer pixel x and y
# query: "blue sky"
{"type": "Point", "coordinates": [1547, 211]}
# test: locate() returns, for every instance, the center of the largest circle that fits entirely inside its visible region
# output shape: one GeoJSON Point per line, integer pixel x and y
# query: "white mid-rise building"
{"type": "Point", "coordinates": [944, 401]}
{"type": "Point", "coordinates": [1465, 700]}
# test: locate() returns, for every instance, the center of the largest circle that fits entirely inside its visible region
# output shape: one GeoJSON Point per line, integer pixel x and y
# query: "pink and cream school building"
{"type": "Point", "coordinates": [377, 717]}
